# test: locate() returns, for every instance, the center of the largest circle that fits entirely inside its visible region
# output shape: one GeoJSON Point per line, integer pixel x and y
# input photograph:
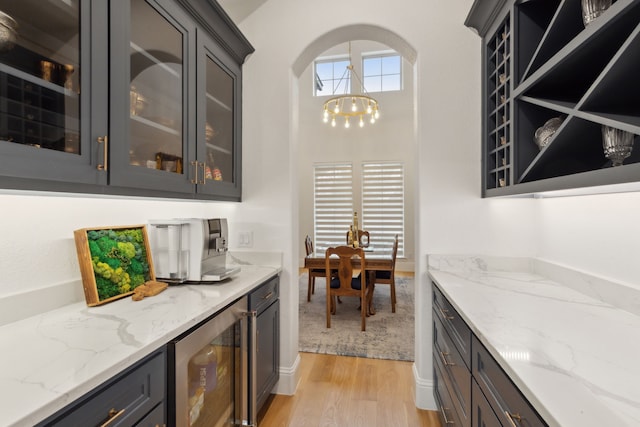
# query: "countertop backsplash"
{"type": "Point", "coordinates": [622, 295]}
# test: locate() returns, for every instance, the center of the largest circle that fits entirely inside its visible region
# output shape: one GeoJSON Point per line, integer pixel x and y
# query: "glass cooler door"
{"type": "Point", "coordinates": [210, 366]}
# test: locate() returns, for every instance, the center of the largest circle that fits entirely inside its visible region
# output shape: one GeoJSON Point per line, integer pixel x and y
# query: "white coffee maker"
{"type": "Point", "coordinates": [190, 250]}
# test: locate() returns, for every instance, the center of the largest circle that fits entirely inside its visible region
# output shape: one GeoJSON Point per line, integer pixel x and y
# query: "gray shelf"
{"type": "Point", "coordinates": [559, 68]}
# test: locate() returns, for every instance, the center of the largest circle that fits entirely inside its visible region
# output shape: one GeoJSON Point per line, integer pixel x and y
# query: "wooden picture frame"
{"type": "Point", "coordinates": [113, 261]}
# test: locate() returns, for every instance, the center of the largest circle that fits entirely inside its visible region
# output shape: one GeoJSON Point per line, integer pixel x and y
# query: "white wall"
{"type": "Point", "coordinates": [598, 234]}
{"type": "Point", "coordinates": [37, 247]}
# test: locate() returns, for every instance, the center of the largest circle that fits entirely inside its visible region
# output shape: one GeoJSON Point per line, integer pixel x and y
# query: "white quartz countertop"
{"type": "Point", "coordinates": [575, 357]}
{"type": "Point", "coordinates": [52, 359]}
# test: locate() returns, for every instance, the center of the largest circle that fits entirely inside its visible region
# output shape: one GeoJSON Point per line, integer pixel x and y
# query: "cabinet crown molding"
{"type": "Point", "coordinates": [483, 14]}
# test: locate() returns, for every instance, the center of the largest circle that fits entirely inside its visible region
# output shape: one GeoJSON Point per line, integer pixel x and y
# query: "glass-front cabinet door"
{"type": "Point", "coordinates": [130, 97]}
{"type": "Point", "coordinates": [45, 91]}
{"type": "Point", "coordinates": [150, 126]}
{"type": "Point", "coordinates": [218, 125]}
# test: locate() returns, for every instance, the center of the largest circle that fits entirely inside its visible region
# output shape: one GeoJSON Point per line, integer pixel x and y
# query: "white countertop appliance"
{"type": "Point", "coordinates": [190, 250]}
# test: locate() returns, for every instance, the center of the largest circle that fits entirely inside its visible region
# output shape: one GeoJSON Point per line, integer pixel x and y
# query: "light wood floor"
{"type": "Point", "coordinates": [349, 391]}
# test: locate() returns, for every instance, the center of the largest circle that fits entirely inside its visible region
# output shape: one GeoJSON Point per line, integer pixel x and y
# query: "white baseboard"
{"type": "Point", "coordinates": [424, 392]}
{"type": "Point", "coordinates": [289, 378]}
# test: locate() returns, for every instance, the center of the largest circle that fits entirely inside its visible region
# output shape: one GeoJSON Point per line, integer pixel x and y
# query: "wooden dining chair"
{"type": "Point", "coordinates": [343, 283]}
{"type": "Point", "coordinates": [387, 277]}
{"type": "Point", "coordinates": [313, 272]}
{"type": "Point", "coordinates": [363, 238]}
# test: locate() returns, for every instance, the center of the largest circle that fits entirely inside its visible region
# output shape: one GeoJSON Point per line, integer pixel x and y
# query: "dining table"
{"type": "Point", "coordinates": [375, 260]}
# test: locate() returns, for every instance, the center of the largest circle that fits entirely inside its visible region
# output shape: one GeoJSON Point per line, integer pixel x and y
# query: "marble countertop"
{"type": "Point", "coordinates": [572, 354]}
{"type": "Point", "coordinates": [51, 359]}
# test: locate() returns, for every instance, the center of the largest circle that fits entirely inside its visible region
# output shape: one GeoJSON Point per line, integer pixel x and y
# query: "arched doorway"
{"type": "Point", "coordinates": [307, 127]}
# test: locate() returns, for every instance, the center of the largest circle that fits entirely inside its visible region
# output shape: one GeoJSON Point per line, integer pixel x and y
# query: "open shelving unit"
{"type": "Point", "coordinates": [555, 67]}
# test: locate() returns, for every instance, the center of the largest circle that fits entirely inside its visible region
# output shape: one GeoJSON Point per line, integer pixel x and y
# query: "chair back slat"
{"type": "Point", "coordinates": [343, 283]}
{"type": "Point", "coordinates": [308, 245]}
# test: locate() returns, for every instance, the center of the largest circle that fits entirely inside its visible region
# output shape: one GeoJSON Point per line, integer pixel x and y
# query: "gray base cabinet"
{"type": "Point", "coordinates": [472, 391]}
{"type": "Point", "coordinates": [265, 300]}
{"type": "Point", "coordinates": [134, 398]}
{"type": "Point", "coordinates": [542, 62]}
{"type": "Point", "coordinates": [452, 364]}
{"type": "Point", "coordinates": [137, 396]}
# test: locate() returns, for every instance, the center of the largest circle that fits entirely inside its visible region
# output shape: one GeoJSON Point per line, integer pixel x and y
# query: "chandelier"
{"type": "Point", "coordinates": [351, 105]}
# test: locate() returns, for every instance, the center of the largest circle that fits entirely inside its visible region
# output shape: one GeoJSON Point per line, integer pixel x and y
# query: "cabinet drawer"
{"type": "Point", "coordinates": [135, 392]}
{"type": "Point", "coordinates": [155, 418]}
{"type": "Point", "coordinates": [264, 295]}
{"type": "Point", "coordinates": [483, 415]}
{"type": "Point", "coordinates": [504, 397]}
{"type": "Point", "coordinates": [448, 415]}
{"type": "Point", "coordinates": [452, 365]}
{"type": "Point", "coordinates": [454, 324]}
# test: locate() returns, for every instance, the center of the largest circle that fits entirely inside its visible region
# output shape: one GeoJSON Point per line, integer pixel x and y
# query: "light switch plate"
{"type": "Point", "coordinates": [245, 239]}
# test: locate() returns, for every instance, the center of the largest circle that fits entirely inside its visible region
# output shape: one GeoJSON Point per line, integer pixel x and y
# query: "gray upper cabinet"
{"type": "Point", "coordinates": [159, 111]}
{"type": "Point", "coordinates": [542, 64]}
{"type": "Point", "coordinates": [153, 84]}
{"type": "Point", "coordinates": [48, 56]}
{"type": "Point", "coordinates": [218, 123]}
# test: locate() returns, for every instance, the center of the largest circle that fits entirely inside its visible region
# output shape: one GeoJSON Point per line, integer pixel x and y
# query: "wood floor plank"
{"type": "Point", "coordinates": [346, 391]}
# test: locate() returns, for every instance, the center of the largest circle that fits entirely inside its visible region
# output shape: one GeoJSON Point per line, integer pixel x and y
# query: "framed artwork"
{"type": "Point", "coordinates": [114, 261]}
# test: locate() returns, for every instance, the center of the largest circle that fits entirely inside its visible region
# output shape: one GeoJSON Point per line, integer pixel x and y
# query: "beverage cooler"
{"type": "Point", "coordinates": [210, 369]}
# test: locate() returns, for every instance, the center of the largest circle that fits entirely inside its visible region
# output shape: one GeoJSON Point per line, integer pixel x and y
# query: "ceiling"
{"type": "Point", "coordinates": [238, 10]}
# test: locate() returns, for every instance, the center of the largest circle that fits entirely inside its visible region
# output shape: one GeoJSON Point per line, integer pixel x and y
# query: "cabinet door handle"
{"type": "Point", "coordinates": [204, 173]}
{"type": "Point", "coordinates": [511, 417]}
{"type": "Point", "coordinates": [195, 172]}
{"type": "Point", "coordinates": [104, 140]}
{"type": "Point", "coordinates": [444, 415]}
{"type": "Point", "coordinates": [268, 296]}
{"type": "Point", "coordinates": [113, 415]}
{"type": "Point", "coordinates": [445, 314]}
{"type": "Point", "coordinates": [444, 359]}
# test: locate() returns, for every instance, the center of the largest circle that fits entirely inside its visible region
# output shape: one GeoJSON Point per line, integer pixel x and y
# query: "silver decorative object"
{"type": "Point", "coordinates": [591, 9]}
{"type": "Point", "coordinates": [8, 32]}
{"type": "Point", "coordinates": [544, 133]}
{"type": "Point", "coordinates": [617, 144]}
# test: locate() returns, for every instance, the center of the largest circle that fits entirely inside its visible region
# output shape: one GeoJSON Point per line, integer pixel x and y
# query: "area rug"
{"type": "Point", "coordinates": [388, 335]}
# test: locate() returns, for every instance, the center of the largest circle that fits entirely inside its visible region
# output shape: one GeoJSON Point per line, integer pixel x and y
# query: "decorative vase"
{"type": "Point", "coordinates": [617, 144]}
{"type": "Point", "coordinates": [591, 9]}
{"type": "Point", "coordinates": [544, 133]}
{"type": "Point", "coordinates": [8, 32]}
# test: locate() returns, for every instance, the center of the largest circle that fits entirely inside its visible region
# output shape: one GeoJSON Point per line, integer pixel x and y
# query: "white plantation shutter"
{"type": "Point", "coordinates": [333, 204]}
{"type": "Point", "coordinates": [383, 203]}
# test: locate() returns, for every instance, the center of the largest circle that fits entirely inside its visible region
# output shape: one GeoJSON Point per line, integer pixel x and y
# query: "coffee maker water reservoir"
{"type": "Point", "coordinates": [169, 240]}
